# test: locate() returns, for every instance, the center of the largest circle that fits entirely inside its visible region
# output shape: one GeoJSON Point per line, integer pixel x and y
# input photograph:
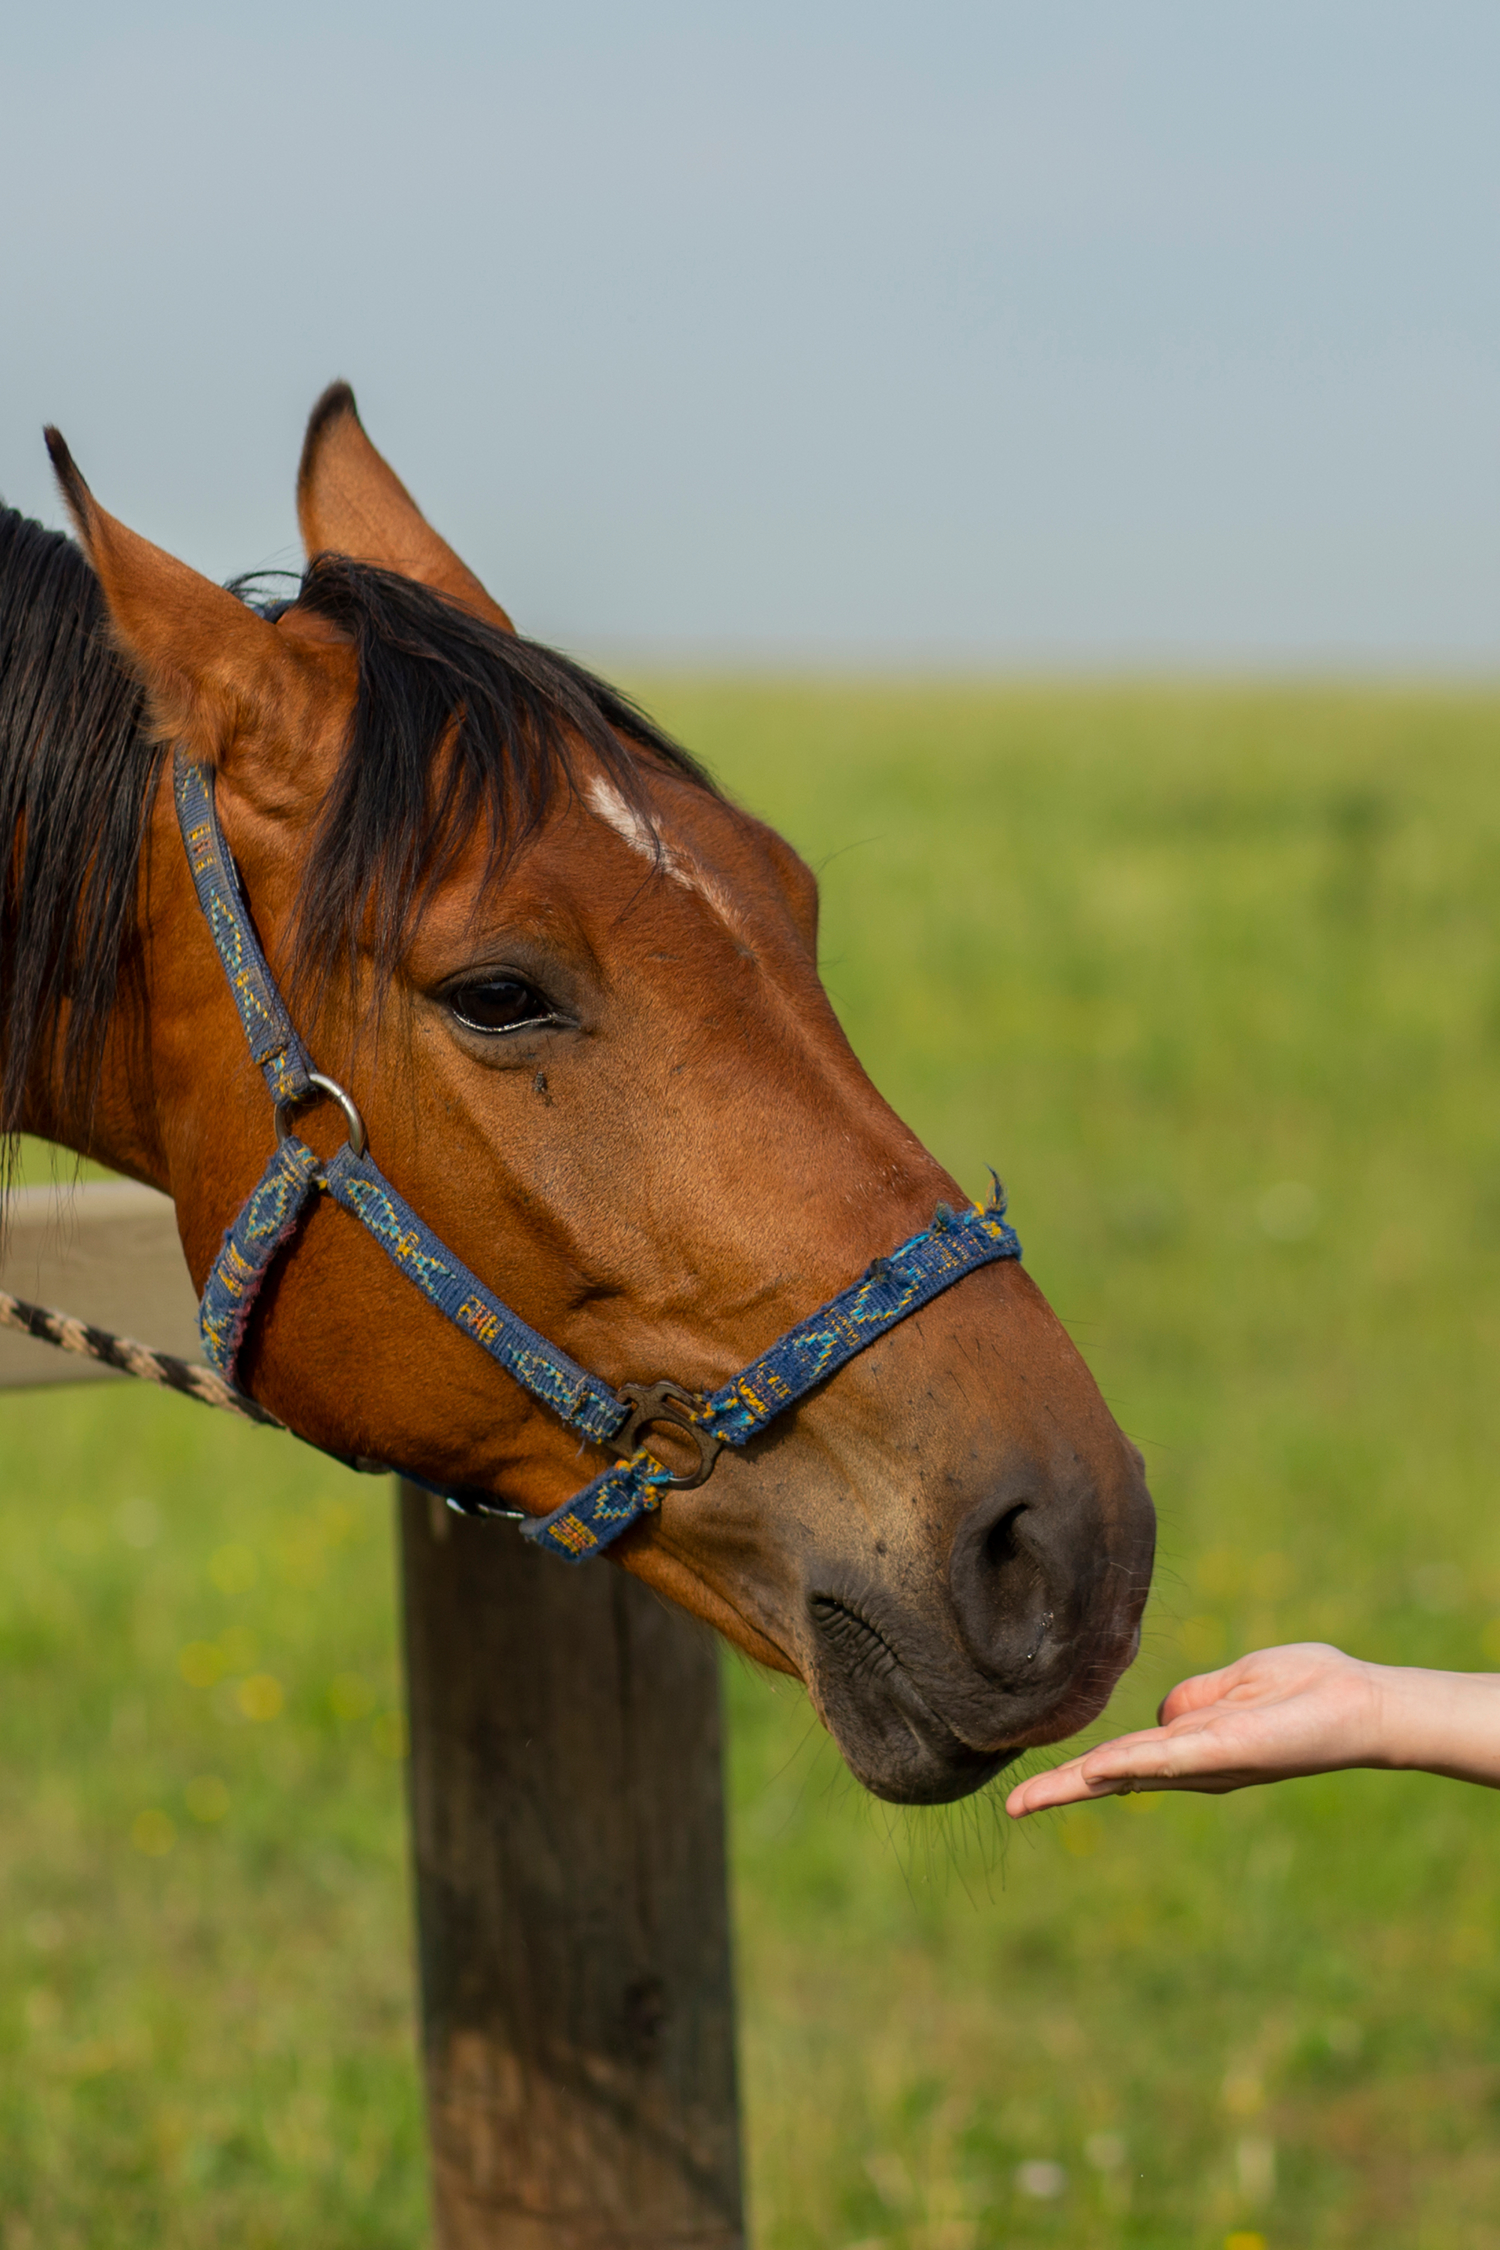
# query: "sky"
{"type": "Point", "coordinates": [819, 334]}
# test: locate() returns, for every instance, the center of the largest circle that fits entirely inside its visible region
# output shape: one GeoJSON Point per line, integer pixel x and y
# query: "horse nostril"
{"type": "Point", "coordinates": [1000, 1539]}
{"type": "Point", "coordinates": [997, 1579]}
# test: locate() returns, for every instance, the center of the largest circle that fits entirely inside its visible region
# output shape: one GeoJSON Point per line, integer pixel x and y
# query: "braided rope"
{"type": "Point", "coordinates": [131, 1358]}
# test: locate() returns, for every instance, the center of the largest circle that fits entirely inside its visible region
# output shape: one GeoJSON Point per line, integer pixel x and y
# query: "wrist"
{"type": "Point", "coordinates": [1380, 1726]}
{"type": "Point", "coordinates": [1437, 1722]}
{"type": "Point", "coordinates": [1401, 1723]}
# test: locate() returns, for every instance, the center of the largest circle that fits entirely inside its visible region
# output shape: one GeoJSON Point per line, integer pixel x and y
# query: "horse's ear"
{"type": "Point", "coordinates": [351, 502]}
{"type": "Point", "coordinates": [212, 668]}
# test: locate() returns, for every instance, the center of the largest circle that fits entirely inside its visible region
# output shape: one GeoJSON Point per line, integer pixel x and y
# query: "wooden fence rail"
{"type": "Point", "coordinates": [567, 1827]}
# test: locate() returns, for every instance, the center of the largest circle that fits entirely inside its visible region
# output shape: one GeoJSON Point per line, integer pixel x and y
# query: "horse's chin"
{"type": "Point", "coordinates": [898, 1747]}
{"type": "Point", "coordinates": [917, 1730]}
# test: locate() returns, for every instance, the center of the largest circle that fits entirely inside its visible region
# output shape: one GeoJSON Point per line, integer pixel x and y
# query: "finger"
{"type": "Point", "coordinates": [1105, 1771]}
{"type": "Point", "coordinates": [1215, 1754]}
{"type": "Point", "coordinates": [1039, 1789]}
{"type": "Point", "coordinates": [1139, 1763]}
{"type": "Point", "coordinates": [1038, 1796]}
{"type": "Point", "coordinates": [1130, 1757]}
{"type": "Point", "coordinates": [1194, 1694]}
{"type": "Point", "coordinates": [1063, 1785]}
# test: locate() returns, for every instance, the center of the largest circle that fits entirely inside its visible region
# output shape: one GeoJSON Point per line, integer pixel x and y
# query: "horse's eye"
{"type": "Point", "coordinates": [499, 1004]}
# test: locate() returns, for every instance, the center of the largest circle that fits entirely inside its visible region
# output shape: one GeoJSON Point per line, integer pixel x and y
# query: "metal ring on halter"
{"type": "Point", "coordinates": [335, 1093]}
{"type": "Point", "coordinates": [673, 1407]}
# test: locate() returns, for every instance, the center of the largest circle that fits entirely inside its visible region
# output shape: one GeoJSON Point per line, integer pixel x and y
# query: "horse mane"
{"type": "Point", "coordinates": [456, 725]}
{"type": "Point", "coordinates": [77, 769]}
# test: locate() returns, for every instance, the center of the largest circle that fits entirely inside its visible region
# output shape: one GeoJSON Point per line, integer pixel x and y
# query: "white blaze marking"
{"type": "Point", "coordinates": [632, 828]}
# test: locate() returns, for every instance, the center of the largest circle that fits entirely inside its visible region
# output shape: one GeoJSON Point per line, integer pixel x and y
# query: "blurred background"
{"type": "Point", "coordinates": [1060, 439]}
{"type": "Point", "coordinates": [808, 332]}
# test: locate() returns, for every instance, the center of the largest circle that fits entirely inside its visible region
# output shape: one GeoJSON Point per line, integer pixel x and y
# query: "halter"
{"type": "Point", "coordinates": [889, 1290]}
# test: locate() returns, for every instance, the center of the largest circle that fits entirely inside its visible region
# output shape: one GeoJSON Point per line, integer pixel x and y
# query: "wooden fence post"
{"type": "Point", "coordinates": [568, 1830]}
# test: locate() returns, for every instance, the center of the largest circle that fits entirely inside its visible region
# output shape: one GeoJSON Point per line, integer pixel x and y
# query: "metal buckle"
{"type": "Point", "coordinates": [318, 1084]}
{"type": "Point", "coordinates": [669, 1403]}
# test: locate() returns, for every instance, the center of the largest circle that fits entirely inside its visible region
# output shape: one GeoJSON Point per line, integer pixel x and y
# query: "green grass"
{"type": "Point", "coordinates": [1213, 976]}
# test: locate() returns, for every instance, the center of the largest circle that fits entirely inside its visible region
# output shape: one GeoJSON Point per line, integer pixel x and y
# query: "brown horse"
{"type": "Point", "coordinates": [574, 991]}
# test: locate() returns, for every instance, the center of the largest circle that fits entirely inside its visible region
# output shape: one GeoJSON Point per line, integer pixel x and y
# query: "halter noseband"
{"type": "Point", "coordinates": [956, 1243]}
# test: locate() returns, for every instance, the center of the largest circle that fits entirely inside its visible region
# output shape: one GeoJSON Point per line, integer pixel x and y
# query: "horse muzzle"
{"type": "Point", "coordinates": [931, 1679]}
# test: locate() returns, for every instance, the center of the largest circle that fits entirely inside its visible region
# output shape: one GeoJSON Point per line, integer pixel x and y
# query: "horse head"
{"type": "Point", "coordinates": [573, 989]}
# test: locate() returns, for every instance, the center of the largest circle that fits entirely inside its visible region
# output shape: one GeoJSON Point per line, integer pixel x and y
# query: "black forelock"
{"type": "Point", "coordinates": [458, 726]}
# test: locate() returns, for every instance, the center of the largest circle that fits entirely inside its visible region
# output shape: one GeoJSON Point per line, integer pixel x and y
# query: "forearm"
{"type": "Point", "coordinates": [1438, 1722]}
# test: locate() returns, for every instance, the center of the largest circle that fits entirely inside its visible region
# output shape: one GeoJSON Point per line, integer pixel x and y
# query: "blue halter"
{"type": "Point", "coordinates": [891, 1288]}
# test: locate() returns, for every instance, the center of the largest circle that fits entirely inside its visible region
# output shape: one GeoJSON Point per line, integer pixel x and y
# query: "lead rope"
{"type": "Point", "coordinates": [131, 1358]}
{"type": "Point", "coordinates": [188, 1378]}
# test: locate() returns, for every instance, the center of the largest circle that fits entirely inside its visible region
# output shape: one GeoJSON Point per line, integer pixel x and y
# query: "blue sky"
{"type": "Point", "coordinates": [990, 335]}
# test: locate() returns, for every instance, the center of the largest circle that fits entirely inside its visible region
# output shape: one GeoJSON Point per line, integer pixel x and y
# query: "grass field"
{"type": "Point", "coordinates": [1213, 976]}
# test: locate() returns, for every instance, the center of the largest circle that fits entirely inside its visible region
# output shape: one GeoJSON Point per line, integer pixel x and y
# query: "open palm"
{"type": "Point", "coordinates": [1281, 1712]}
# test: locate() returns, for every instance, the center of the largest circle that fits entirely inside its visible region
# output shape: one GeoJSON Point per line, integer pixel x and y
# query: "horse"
{"type": "Point", "coordinates": [573, 990]}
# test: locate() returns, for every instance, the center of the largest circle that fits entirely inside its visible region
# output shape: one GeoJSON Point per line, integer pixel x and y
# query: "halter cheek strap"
{"type": "Point", "coordinates": [957, 1243]}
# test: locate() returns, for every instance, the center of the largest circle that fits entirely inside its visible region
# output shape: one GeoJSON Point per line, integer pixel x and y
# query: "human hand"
{"type": "Point", "coordinates": [1271, 1716]}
